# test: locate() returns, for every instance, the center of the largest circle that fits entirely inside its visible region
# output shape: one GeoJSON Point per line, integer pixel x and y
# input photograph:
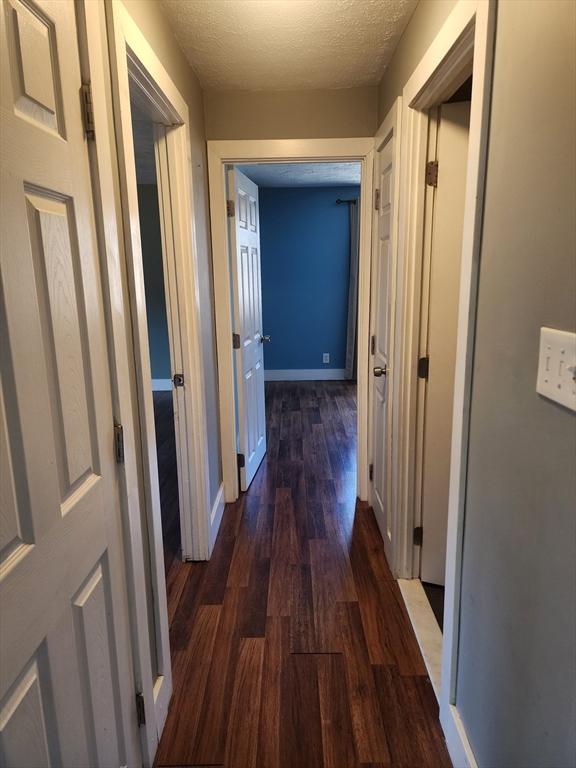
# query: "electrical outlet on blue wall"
{"type": "Point", "coordinates": [326, 357]}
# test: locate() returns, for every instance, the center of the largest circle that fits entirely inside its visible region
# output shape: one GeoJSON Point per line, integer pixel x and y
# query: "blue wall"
{"type": "Point", "coordinates": [154, 281]}
{"type": "Point", "coordinates": [305, 242]}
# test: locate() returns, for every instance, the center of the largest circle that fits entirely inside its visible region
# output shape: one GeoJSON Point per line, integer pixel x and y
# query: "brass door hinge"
{"type": "Point", "coordinates": [119, 443]}
{"type": "Point", "coordinates": [88, 111]}
{"type": "Point", "coordinates": [140, 709]}
{"type": "Point", "coordinates": [423, 367]}
{"type": "Point", "coordinates": [418, 536]}
{"type": "Point", "coordinates": [376, 199]}
{"type": "Point", "coordinates": [432, 173]}
{"type": "Point", "coordinates": [230, 209]}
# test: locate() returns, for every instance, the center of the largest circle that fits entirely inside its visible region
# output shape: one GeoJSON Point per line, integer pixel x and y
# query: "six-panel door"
{"type": "Point", "coordinates": [66, 689]}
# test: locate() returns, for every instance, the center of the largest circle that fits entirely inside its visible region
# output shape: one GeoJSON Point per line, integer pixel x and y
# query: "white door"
{"type": "Point", "coordinates": [66, 685]}
{"type": "Point", "coordinates": [446, 251]}
{"type": "Point", "coordinates": [382, 301]}
{"type": "Point", "coordinates": [247, 321]}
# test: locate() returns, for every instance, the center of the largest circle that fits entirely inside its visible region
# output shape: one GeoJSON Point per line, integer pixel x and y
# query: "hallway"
{"type": "Point", "coordinates": [292, 647]}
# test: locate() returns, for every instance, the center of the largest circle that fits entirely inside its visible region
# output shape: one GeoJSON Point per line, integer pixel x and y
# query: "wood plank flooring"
{"type": "Point", "coordinates": [292, 648]}
{"type": "Point", "coordinates": [176, 571]}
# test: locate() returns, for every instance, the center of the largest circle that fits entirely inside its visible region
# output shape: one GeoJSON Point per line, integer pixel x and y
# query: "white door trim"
{"type": "Point", "coordinates": [137, 62]}
{"type": "Point", "coordinates": [103, 158]}
{"type": "Point", "coordinates": [221, 153]}
{"type": "Point", "coordinates": [111, 35]}
{"type": "Point", "coordinates": [391, 125]}
{"type": "Point", "coordinates": [463, 46]}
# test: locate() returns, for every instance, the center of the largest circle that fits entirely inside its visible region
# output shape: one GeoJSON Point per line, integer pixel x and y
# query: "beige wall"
{"type": "Point", "coordinates": [516, 685]}
{"type": "Point", "coordinates": [420, 32]}
{"type": "Point", "coordinates": [154, 26]}
{"type": "Point", "coordinates": [335, 113]}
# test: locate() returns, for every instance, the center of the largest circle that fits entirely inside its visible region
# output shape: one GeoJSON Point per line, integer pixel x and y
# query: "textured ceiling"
{"type": "Point", "coordinates": [303, 174]}
{"type": "Point", "coordinates": [288, 44]}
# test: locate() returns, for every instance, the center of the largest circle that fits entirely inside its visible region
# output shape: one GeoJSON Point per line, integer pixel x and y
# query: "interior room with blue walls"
{"type": "Point", "coordinates": [305, 262]}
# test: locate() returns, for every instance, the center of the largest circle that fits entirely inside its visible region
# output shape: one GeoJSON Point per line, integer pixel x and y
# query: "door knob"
{"type": "Point", "coordinates": [380, 371]}
{"type": "Point", "coordinates": [264, 338]}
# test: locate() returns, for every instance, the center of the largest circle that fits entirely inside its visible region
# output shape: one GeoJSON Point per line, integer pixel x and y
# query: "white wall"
{"type": "Point", "coordinates": [516, 686]}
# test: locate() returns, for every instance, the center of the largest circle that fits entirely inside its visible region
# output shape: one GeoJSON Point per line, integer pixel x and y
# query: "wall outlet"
{"type": "Point", "coordinates": [326, 357]}
{"type": "Point", "coordinates": [557, 366]}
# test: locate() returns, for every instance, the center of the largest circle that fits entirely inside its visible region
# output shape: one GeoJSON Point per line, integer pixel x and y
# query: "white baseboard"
{"type": "Point", "coordinates": [161, 385]}
{"type": "Point", "coordinates": [430, 639]}
{"type": "Point", "coordinates": [305, 374]}
{"type": "Point", "coordinates": [457, 741]}
{"type": "Point", "coordinates": [216, 518]}
{"type": "Point", "coordinates": [425, 628]}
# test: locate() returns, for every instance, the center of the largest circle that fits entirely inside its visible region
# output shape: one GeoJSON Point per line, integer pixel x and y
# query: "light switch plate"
{"type": "Point", "coordinates": [326, 357]}
{"type": "Point", "coordinates": [557, 367]}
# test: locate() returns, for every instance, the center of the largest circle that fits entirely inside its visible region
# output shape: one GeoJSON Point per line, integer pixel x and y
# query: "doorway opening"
{"type": "Point", "coordinates": [222, 157]}
{"type": "Point", "coordinates": [161, 365]}
{"type": "Point", "coordinates": [448, 134]}
{"type": "Point", "coordinates": [294, 262]}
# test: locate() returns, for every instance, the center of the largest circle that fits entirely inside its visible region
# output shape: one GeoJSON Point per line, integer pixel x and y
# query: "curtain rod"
{"type": "Point", "coordinates": [350, 201]}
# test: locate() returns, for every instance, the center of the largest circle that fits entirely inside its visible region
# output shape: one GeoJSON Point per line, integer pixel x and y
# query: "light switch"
{"type": "Point", "coordinates": [557, 367]}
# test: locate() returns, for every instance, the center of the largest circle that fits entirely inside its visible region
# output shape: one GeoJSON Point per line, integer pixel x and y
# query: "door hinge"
{"type": "Point", "coordinates": [423, 367]}
{"type": "Point", "coordinates": [140, 709]}
{"type": "Point", "coordinates": [418, 536]}
{"type": "Point", "coordinates": [119, 443]}
{"type": "Point", "coordinates": [372, 345]}
{"type": "Point", "coordinates": [230, 209]}
{"type": "Point", "coordinates": [241, 460]}
{"type": "Point", "coordinates": [88, 111]}
{"type": "Point", "coordinates": [432, 173]}
{"type": "Point", "coordinates": [235, 341]}
{"type": "Point", "coordinates": [371, 471]}
{"type": "Point", "coordinates": [178, 379]}
{"type": "Point", "coordinates": [376, 199]}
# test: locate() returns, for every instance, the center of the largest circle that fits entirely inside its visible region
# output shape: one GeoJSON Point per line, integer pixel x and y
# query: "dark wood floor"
{"type": "Point", "coordinates": [176, 571]}
{"type": "Point", "coordinates": [292, 647]}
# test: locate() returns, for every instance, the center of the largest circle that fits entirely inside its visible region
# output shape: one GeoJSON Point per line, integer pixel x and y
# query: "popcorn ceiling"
{"type": "Point", "coordinates": [288, 44]}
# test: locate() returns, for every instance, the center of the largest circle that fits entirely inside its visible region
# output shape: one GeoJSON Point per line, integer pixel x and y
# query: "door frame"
{"type": "Point", "coordinates": [392, 124]}
{"type": "Point", "coordinates": [463, 46]}
{"type": "Point", "coordinates": [109, 33]}
{"type": "Point", "coordinates": [230, 152]}
{"type": "Point", "coordinates": [133, 62]}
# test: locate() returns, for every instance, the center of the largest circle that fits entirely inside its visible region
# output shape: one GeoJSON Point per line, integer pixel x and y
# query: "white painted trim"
{"type": "Point", "coordinates": [456, 737]}
{"type": "Point", "coordinates": [305, 374]}
{"type": "Point", "coordinates": [426, 628]}
{"type": "Point", "coordinates": [221, 153]}
{"type": "Point", "coordinates": [470, 27]}
{"type": "Point", "coordinates": [104, 163]}
{"type": "Point", "coordinates": [216, 515]}
{"type": "Point", "coordinates": [93, 47]}
{"type": "Point", "coordinates": [162, 385]}
{"type": "Point", "coordinates": [390, 126]}
{"type": "Point", "coordinates": [133, 60]}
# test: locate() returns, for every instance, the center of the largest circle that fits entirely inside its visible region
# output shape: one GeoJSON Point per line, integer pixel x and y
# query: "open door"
{"type": "Point", "coordinates": [382, 301]}
{"type": "Point", "coordinates": [66, 676]}
{"type": "Point", "coordinates": [441, 327]}
{"type": "Point", "coordinates": [248, 338]}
